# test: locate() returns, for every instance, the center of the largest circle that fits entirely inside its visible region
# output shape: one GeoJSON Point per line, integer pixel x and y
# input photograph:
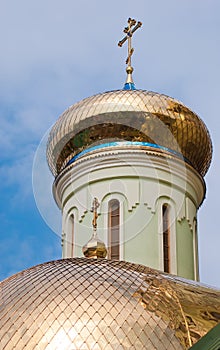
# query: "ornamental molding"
{"type": "Point", "coordinates": [136, 164]}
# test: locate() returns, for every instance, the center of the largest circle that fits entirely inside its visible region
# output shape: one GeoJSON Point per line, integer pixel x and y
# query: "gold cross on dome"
{"type": "Point", "coordinates": [133, 25]}
{"type": "Point", "coordinates": [95, 205]}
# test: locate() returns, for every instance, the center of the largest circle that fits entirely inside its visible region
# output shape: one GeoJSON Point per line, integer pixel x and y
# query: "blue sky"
{"type": "Point", "coordinates": [54, 53]}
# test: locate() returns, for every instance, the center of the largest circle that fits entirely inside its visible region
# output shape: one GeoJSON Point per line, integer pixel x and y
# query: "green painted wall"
{"type": "Point", "coordinates": [211, 341]}
{"type": "Point", "coordinates": [141, 238]}
{"type": "Point", "coordinates": [142, 185]}
{"type": "Point", "coordinates": [184, 247]}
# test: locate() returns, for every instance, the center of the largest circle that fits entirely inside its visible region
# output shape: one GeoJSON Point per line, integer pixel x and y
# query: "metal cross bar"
{"type": "Point", "coordinates": [138, 25]}
{"type": "Point", "coordinates": [129, 30]}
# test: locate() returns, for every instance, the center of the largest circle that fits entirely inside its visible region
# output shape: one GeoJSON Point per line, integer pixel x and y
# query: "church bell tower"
{"type": "Point", "coordinates": [141, 157]}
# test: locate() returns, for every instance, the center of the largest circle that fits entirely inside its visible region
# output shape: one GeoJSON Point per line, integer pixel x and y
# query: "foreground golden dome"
{"type": "Point", "coordinates": [144, 117]}
{"type": "Point", "coordinates": [103, 304]}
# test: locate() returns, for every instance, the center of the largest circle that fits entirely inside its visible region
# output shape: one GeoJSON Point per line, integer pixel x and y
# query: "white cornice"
{"type": "Point", "coordinates": [140, 163]}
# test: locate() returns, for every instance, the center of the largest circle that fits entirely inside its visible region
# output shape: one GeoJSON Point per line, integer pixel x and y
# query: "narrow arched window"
{"type": "Point", "coordinates": [166, 237]}
{"type": "Point", "coordinates": [72, 235]}
{"type": "Point", "coordinates": [113, 228]}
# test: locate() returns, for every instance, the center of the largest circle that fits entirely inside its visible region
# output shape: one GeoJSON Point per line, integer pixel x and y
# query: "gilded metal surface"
{"type": "Point", "coordinates": [132, 115]}
{"type": "Point", "coordinates": [95, 205]}
{"type": "Point", "coordinates": [95, 248]}
{"type": "Point", "coordinates": [129, 30]}
{"type": "Point", "coordinates": [103, 304]}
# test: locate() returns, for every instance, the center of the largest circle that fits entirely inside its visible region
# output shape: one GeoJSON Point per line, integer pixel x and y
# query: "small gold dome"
{"type": "Point", "coordinates": [94, 248]}
{"type": "Point", "coordinates": [103, 304]}
{"type": "Point", "coordinates": [131, 115]}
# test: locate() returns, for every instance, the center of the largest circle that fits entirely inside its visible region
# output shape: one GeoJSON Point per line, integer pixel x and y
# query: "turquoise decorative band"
{"type": "Point", "coordinates": [129, 86]}
{"type": "Point", "coordinates": [126, 144]}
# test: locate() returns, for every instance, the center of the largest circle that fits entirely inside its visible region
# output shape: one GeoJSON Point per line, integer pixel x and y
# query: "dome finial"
{"type": "Point", "coordinates": [129, 30]}
{"type": "Point", "coordinates": [95, 248]}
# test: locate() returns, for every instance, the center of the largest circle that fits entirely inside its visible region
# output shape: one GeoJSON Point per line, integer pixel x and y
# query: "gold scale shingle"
{"type": "Point", "coordinates": [132, 115]}
{"type": "Point", "coordinates": [103, 304]}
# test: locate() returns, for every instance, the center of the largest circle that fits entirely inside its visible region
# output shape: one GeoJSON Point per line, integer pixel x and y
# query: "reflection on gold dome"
{"type": "Point", "coordinates": [94, 248]}
{"type": "Point", "coordinates": [132, 115]}
{"type": "Point", "coordinates": [103, 304]}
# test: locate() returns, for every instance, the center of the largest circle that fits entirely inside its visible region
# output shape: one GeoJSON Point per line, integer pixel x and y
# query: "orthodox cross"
{"type": "Point", "coordinates": [129, 30]}
{"type": "Point", "coordinates": [95, 205]}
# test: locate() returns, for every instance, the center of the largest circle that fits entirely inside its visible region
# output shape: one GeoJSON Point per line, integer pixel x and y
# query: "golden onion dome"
{"type": "Point", "coordinates": [94, 248]}
{"type": "Point", "coordinates": [103, 304]}
{"type": "Point", "coordinates": [144, 117]}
